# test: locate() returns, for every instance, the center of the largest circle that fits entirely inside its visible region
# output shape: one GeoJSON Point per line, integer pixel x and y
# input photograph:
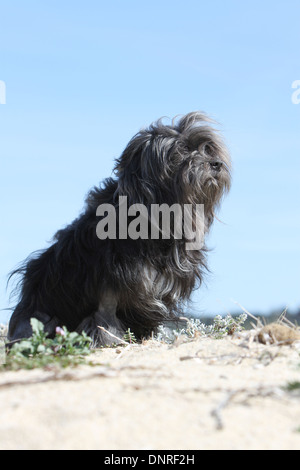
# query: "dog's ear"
{"type": "Point", "coordinates": [130, 168]}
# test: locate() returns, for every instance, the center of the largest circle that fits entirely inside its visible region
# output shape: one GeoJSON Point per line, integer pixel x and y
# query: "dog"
{"type": "Point", "coordinates": [87, 279]}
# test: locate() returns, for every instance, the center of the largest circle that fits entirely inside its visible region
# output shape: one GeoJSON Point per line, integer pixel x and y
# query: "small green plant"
{"type": "Point", "coordinates": [66, 349]}
{"type": "Point", "coordinates": [129, 337]}
{"type": "Point", "coordinates": [292, 386]}
{"type": "Point", "coordinates": [228, 325]}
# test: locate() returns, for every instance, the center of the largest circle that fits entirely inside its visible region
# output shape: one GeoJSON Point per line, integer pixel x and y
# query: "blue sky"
{"type": "Point", "coordinates": [83, 77]}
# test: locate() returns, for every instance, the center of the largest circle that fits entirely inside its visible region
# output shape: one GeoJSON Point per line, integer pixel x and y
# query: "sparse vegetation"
{"type": "Point", "coordinates": [66, 349]}
{"type": "Point", "coordinates": [221, 326]}
{"type": "Point", "coordinates": [71, 348]}
{"type": "Point", "coordinates": [222, 380]}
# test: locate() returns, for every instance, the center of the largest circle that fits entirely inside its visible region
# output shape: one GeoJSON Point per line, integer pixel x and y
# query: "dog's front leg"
{"type": "Point", "coordinates": [106, 318]}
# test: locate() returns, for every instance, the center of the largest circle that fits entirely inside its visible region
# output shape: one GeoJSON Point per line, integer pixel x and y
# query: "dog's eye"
{"type": "Point", "coordinates": [216, 165]}
{"type": "Point", "coordinates": [209, 150]}
{"type": "Point", "coordinates": [206, 150]}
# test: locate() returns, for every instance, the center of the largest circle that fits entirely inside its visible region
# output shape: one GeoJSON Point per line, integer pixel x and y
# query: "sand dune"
{"type": "Point", "coordinates": [201, 394]}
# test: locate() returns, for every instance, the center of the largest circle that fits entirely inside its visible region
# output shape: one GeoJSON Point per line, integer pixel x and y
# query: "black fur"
{"type": "Point", "coordinates": [83, 282]}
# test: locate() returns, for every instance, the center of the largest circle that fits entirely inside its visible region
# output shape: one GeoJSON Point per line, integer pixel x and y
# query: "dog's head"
{"type": "Point", "coordinates": [184, 162]}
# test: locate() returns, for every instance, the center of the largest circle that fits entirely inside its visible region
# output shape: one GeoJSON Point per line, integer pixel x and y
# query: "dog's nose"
{"type": "Point", "coordinates": [216, 166]}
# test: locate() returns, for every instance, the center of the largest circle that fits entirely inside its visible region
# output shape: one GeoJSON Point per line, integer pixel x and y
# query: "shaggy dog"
{"type": "Point", "coordinates": [90, 277]}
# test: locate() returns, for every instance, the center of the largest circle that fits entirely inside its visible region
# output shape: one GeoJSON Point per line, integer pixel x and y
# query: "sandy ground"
{"type": "Point", "coordinates": [202, 394]}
